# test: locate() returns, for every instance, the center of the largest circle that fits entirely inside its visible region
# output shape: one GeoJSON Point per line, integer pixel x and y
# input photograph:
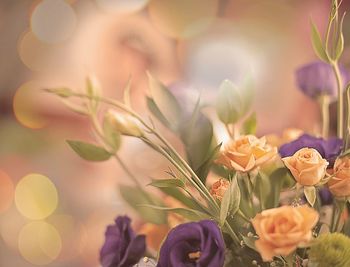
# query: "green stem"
{"type": "Point", "coordinates": [340, 107]}
{"type": "Point", "coordinates": [324, 105]}
{"type": "Point", "coordinates": [339, 208]}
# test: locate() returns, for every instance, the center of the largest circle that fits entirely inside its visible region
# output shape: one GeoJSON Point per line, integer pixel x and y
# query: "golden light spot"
{"type": "Point", "coordinates": [6, 191]}
{"type": "Point", "coordinates": [73, 235]}
{"type": "Point", "coordinates": [36, 196]}
{"type": "Point", "coordinates": [25, 106]}
{"type": "Point", "coordinates": [39, 243]}
{"type": "Point", "coordinates": [122, 6]}
{"type": "Point", "coordinates": [182, 18]}
{"type": "Point", "coordinates": [53, 21]}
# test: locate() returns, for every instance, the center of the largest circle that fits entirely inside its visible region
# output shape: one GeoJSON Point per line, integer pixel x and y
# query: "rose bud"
{"type": "Point", "coordinates": [193, 244]}
{"type": "Point", "coordinates": [339, 184]}
{"type": "Point", "coordinates": [123, 123]}
{"type": "Point", "coordinates": [317, 78]}
{"type": "Point", "coordinates": [328, 148]}
{"type": "Point", "coordinates": [246, 153]}
{"type": "Point", "coordinates": [219, 188]}
{"type": "Point", "coordinates": [307, 166]}
{"type": "Point", "coordinates": [281, 230]}
{"type": "Point", "coordinates": [122, 247]}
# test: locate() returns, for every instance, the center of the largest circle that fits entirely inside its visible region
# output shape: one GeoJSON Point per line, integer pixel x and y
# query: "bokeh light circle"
{"type": "Point", "coordinates": [36, 196]}
{"type": "Point", "coordinates": [182, 18]}
{"type": "Point", "coordinates": [6, 191]}
{"type": "Point", "coordinates": [73, 235]}
{"type": "Point", "coordinates": [26, 108]}
{"type": "Point", "coordinates": [122, 6]}
{"type": "Point", "coordinates": [53, 21]}
{"type": "Point", "coordinates": [39, 243]}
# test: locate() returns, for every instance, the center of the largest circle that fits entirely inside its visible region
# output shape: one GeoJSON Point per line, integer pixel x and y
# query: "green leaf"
{"type": "Point", "coordinates": [62, 92]}
{"type": "Point", "coordinates": [190, 214]}
{"type": "Point", "coordinates": [339, 48]}
{"type": "Point", "coordinates": [167, 183]}
{"type": "Point", "coordinates": [229, 103]}
{"type": "Point", "coordinates": [112, 137]}
{"type": "Point", "coordinates": [177, 194]}
{"type": "Point", "coordinates": [136, 197]}
{"type": "Point", "coordinates": [310, 194]}
{"type": "Point", "coordinates": [249, 125]}
{"type": "Point", "coordinates": [230, 201]}
{"type": "Point", "coordinates": [247, 93]}
{"type": "Point", "coordinates": [204, 168]}
{"type": "Point", "coordinates": [318, 44]}
{"type": "Point", "coordinates": [88, 151]}
{"type": "Point", "coordinates": [197, 140]}
{"type": "Point", "coordinates": [263, 187]}
{"type": "Point", "coordinates": [277, 179]}
{"type": "Point", "coordinates": [165, 101]}
{"type": "Point", "coordinates": [152, 107]}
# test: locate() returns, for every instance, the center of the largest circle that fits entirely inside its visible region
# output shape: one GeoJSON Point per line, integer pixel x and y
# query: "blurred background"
{"type": "Point", "coordinates": [54, 207]}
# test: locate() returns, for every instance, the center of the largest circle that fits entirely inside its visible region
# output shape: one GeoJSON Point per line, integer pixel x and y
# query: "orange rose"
{"type": "Point", "coordinates": [307, 166]}
{"type": "Point", "coordinates": [282, 230]}
{"type": "Point", "coordinates": [339, 184]}
{"type": "Point", "coordinates": [246, 153]}
{"type": "Point", "coordinates": [219, 188]}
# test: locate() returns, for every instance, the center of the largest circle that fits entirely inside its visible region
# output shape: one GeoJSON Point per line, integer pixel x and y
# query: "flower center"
{"type": "Point", "coordinates": [194, 255]}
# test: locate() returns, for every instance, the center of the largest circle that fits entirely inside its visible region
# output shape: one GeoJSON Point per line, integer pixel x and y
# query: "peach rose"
{"type": "Point", "coordinates": [339, 184]}
{"type": "Point", "coordinates": [246, 153]}
{"type": "Point", "coordinates": [282, 230]}
{"type": "Point", "coordinates": [219, 188]}
{"type": "Point", "coordinates": [307, 166]}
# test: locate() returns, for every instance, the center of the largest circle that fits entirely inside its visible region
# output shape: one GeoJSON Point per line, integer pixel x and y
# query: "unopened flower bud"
{"type": "Point", "coordinates": [219, 188]}
{"type": "Point", "coordinates": [124, 123]}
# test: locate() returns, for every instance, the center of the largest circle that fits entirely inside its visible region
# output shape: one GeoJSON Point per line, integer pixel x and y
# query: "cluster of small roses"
{"type": "Point", "coordinates": [281, 230]}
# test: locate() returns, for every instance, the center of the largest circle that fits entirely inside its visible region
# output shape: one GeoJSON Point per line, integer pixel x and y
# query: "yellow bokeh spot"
{"type": "Point", "coordinates": [39, 243]}
{"type": "Point", "coordinates": [182, 18]}
{"type": "Point", "coordinates": [36, 197]}
{"type": "Point", "coordinates": [53, 21]}
{"type": "Point", "coordinates": [26, 108]}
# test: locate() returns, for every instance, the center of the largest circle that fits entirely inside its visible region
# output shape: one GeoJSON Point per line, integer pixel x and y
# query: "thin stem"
{"type": "Point", "coordinates": [127, 171]}
{"type": "Point", "coordinates": [340, 129]}
{"type": "Point", "coordinates": [324, 105]}
{"type": "Point", "coordinates": [338, 213]}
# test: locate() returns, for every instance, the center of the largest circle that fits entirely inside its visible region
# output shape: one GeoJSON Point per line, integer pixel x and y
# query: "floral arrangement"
{"type": "Point", "coordinates": [278, 201]}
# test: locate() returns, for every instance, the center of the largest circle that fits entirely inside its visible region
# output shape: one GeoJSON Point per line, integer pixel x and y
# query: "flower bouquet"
{"type": "Point", "coordinates": [277, 201]}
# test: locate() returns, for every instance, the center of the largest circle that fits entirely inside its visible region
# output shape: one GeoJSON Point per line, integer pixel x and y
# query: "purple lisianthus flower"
{"type": "Point", "coordinates": [194, 244]}
{"type": "Point", "coordinates": [317, 78]}
{"type": "Point", "coordinates": [329, 149]}
{"type": "Point", "coordinates": [122, 247]}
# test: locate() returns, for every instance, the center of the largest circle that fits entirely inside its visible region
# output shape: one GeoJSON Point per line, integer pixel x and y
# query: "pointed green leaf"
{"type": "Point", "coordinates": [249, 126]}
{"type": "Point", "coordinates": [197, 139]}
{"type": "Point", "coordinates": [224, 207]}
{"type": "Point", "coordinates": [204, 169]}
{"type": "Point", "coordinates": [88, 151]}
{"type": "Point", "coordinates": [167, 183]}
{"type": "Point", "coordinates": [178, 194]}
{"type": "Point", "coordinates": [190, 214]}
{"type": "Point", "coordinates": [112, 137]}
{"type": "Point", "coordinates": [136, 197]}
{"type": "Point", "coordinates": [235, 196]}
{"type": "Point", "coordinates": [229, 103]}
{"type": "Point", "coordinates": [165, 101]}
{"type": "Point", "coordinates": [152, 107]}
{"type": "Point", "coordinates": [340, 42]}
{"type": "Point", "coordinates": [310, 194]}
{"type": "Point", "coordinates": [318, 44]}
{"type": "Point", "coordinates": [230, 201]}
